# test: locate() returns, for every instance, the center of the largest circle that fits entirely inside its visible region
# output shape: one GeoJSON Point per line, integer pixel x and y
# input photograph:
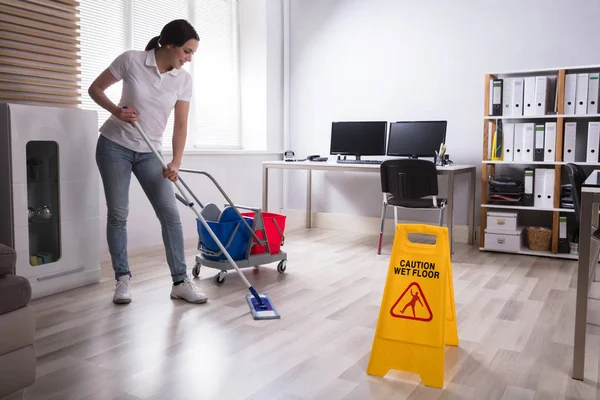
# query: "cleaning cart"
{"type": "Point", "coordinates": [252, 237]}
{"type": "Point", "coordinates": [261, 304]}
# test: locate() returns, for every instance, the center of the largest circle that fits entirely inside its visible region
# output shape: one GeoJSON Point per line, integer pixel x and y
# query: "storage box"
{"type": "Point", "coordinates": [505, 241]}
{"type": "Point", "coordinates": [501, 221]}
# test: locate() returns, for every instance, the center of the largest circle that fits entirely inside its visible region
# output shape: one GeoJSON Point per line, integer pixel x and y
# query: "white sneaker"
{"type": "Point", "coordinates": [189, 292]}
{"type": "Point", "coordinates": [123, 290]}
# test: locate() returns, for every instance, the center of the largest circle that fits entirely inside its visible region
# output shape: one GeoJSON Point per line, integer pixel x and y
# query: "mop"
{"type": "Point", "coordinates": [260, 305]}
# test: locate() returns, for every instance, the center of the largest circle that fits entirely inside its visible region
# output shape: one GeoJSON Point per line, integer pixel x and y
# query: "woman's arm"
{"type": "Point", "coordinates": [180, 128]}
{"type": "Point", "coordinates": [96, 92]}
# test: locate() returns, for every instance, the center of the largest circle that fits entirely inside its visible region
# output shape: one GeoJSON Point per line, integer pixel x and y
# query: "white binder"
{"type": "Point", "coordinates": [593, 142]}
{"type": "Point", "coordinates": [549, 188]}
{"type": "Point", "coordinates": [550, 142]}
{"type": "Point", "coordinates": [528, 141]}
{"type": "Point", "coordinates": [543, 188]}
{"type": "Point", "coordinates": [517, 97]}
{"type": "Point", "coordinates": [581, 96]}
{"type": "Point", "coordinates": [507, 89]}
{"type": "Point", "coordinates": [569, 142]}
{"type": "Point", "coordinates": [570, 93]}
{"type": "Point", "coordinates": [508, 141]}
{"type": "Point", "coordinates": [518, 141]}
{"type": "Point", "coordinates": [541, 95]}
{"type": "Point", "coordinates": [529, 96]}
{"type": "Point", "coordinates": [592, 105]}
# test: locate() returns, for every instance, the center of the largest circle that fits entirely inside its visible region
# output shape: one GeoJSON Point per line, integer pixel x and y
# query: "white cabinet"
{"type": "Point", "coordinates": [50, 195]}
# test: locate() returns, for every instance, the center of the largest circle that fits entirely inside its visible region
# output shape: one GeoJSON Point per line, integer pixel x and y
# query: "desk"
{"type": "Point", "coordinates": [310, 166]}
{"type": "Point", "coordinates": [586, 269]}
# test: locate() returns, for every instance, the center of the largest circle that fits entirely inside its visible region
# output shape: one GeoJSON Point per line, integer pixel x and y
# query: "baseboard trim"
{"type": "Point", "coordinates": [359, 224]}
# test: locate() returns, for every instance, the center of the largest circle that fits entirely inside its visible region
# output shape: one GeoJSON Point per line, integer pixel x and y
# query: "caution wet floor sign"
{"type": "Point", "coordinates": [417, 317]}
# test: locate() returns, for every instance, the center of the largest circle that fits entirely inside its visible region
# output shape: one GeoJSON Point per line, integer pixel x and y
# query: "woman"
{"type": "Point", "coordinates": [153, 85]}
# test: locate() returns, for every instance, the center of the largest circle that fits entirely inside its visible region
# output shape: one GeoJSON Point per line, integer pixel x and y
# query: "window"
{"type": "Point", "coordinates": [110, 27]}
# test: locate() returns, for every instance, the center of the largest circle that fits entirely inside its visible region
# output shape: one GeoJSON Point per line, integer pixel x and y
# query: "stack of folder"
{"type": "Point", "coordinates": [523, 96]}
{"type": "Point", "coordinates": [505, 191]}
{"type": "Point", "coordinates": [566, 197]}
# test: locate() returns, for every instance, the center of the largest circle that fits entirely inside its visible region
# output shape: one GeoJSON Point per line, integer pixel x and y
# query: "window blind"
{"type": "Point", "coordinates": [38, 52]}
{"type": "Point", "coordinates": [103, 38]}
{"type": "Point", "coordinates": [216, 75]}
{"type": "Point", "coordinates": [112, 26]}
{"type": "Point", "coordinates": [148, 20]}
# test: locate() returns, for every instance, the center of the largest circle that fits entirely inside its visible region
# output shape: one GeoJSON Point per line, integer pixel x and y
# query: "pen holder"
{"type": "Point", "coordinates": [442, 161]}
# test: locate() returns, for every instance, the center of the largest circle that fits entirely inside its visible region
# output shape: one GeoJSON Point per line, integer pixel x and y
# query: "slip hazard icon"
{"type": "Point", "coordinates": [412, 304]}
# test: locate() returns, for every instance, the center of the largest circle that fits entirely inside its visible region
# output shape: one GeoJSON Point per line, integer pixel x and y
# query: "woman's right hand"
{"type": "Point", "coordinates": [128, 114]}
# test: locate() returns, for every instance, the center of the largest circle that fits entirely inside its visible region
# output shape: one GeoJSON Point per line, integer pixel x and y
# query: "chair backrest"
{"type": "Point", "coordinates": [576, 178]}
{"type": "Point", "coordinates": [409, 178]}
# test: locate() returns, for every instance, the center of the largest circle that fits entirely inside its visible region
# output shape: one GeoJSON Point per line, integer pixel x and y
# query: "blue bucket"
{"type": "Point", "coordinates": [236, 242]}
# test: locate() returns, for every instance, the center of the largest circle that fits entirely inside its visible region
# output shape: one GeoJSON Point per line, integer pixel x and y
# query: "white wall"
{"type": "Point", "coordinates": [261, 91]}
{"type": "Point", "coordinates": [397, 59]}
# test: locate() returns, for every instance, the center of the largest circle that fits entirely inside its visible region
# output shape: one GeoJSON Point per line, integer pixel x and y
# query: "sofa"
{"type": "Point", "coordinates": [17, 327]}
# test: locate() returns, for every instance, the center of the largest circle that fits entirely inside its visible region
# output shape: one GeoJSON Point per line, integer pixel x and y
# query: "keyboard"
{"type": "Point", "coordinates": [359, 161]}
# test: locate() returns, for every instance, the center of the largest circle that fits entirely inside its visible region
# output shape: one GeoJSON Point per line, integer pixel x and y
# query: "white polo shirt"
{"type": "Point", "coordinates": [152, 94]}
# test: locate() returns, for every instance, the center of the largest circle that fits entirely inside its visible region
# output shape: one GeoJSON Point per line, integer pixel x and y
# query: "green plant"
{"type": "Point", "coordinates": [575, 237]}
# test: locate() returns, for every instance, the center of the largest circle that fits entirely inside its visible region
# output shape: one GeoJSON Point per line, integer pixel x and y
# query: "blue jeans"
{"type": "Point", "coordinates": [116, 163]}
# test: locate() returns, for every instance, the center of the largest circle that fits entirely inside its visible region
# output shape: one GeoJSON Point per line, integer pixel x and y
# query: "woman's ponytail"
{"type": "Point", "coordinates": [153, 43]}
{"type": "Point", "coordinates": [176, 33]}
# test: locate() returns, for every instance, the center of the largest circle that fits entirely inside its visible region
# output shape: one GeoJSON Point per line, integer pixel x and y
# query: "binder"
{"type": "Point", "coordinates": [528, 141]}
{"type": "Point", "coordinates": [550, 142]}
{"type": "Point", "coordinates": [592, 105]}
{"type": "Point", "coordinates": [593, 142]}
{"type": "Point", "coordinates": [528, 199]}
{"type": "Point", "coordinates": [563, 235]}
{"type": "Point", "coordinates": [581, 94]}
{"type": "Point", "coordinates": [529, 96]}
{"type": "Point", "coordinates": [570, 92]}
{"type": "Point", "coordinates": [543, 188]}
{"type": "Point", "coordinates": [497, 97]}
{"type": "Point", "coordinates": [549, 175]}
{"type": "Point", "coordinates": [541, 95]}
{"type": "Point", "coordinates": [569, 142]}
{"type": "Point", "coordinates": [507, 89]}
{"type": "Point", "coordinates": [518, 141]}
{"type": "Point", "coordinates": [509, 139]}
{"type": "Point", "coordinates": [517, 97]}
{"type": "Point", "coordinates": [539, 143]}
{"type": "Point", "coordinates": [497, 142]}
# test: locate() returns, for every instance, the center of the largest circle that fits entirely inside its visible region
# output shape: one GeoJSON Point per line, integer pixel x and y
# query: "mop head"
{"type": "Point", "coordinates": [266, 311]}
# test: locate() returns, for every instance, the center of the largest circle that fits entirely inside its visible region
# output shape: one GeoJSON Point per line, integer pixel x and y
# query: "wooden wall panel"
{"type": "Point", "coordinates": [39, 56]}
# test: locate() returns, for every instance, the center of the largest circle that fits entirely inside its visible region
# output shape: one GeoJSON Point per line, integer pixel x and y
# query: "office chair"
{"type": "Point", "coordinates": [576, 178]}
{"type": "Point", "coordinates": [406, 184]}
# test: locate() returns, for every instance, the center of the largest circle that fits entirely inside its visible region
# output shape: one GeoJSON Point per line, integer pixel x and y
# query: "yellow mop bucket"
{"type": "Point", "coordinates": [417, 317]}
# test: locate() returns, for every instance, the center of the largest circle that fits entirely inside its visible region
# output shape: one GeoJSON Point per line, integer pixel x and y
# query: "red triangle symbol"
{"type": "Point", "coordinates": [414, 306]}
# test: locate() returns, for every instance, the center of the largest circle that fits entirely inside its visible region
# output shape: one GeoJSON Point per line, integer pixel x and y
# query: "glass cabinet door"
{"type": "Point", "coordinates": [43, 202]}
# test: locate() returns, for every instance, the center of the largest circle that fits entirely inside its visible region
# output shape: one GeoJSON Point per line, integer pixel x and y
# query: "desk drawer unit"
{"type": "Point", "coordinates": [505, 241]}
{"type": "Point", "coordinates": [501, 221]}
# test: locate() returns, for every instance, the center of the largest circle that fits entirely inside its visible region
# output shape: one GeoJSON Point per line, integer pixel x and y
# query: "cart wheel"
{"type": "Point", "coordinates": [281, 266]}
{"type": "Point", "coordinates": [220, 278]}
{"type": "Point", "coordinates": [196, 270]}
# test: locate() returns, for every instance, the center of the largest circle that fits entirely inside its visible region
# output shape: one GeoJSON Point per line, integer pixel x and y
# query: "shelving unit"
{"type": "Point", "coordinates": [555, 111]}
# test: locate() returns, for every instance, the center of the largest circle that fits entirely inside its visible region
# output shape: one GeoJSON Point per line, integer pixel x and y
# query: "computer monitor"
{"type": "Point", "coordinates": [358, 138]}
{"type": "Point", "coordinates": [416, 138]}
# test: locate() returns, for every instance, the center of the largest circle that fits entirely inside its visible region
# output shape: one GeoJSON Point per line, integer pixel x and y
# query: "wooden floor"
{"type": "Point", "coordinates": [515, 323]}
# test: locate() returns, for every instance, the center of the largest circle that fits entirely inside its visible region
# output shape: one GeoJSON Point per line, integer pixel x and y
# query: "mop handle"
{"type": "Point", "coordinates": [191, 205]}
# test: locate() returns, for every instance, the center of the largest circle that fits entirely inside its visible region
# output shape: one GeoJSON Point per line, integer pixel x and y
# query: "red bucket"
{"type": "Point", "coordinates": [271, 221]}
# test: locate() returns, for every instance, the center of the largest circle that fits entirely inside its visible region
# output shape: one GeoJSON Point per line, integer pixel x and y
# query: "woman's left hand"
{"type": "Point", "coordinates": [171, 172]}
